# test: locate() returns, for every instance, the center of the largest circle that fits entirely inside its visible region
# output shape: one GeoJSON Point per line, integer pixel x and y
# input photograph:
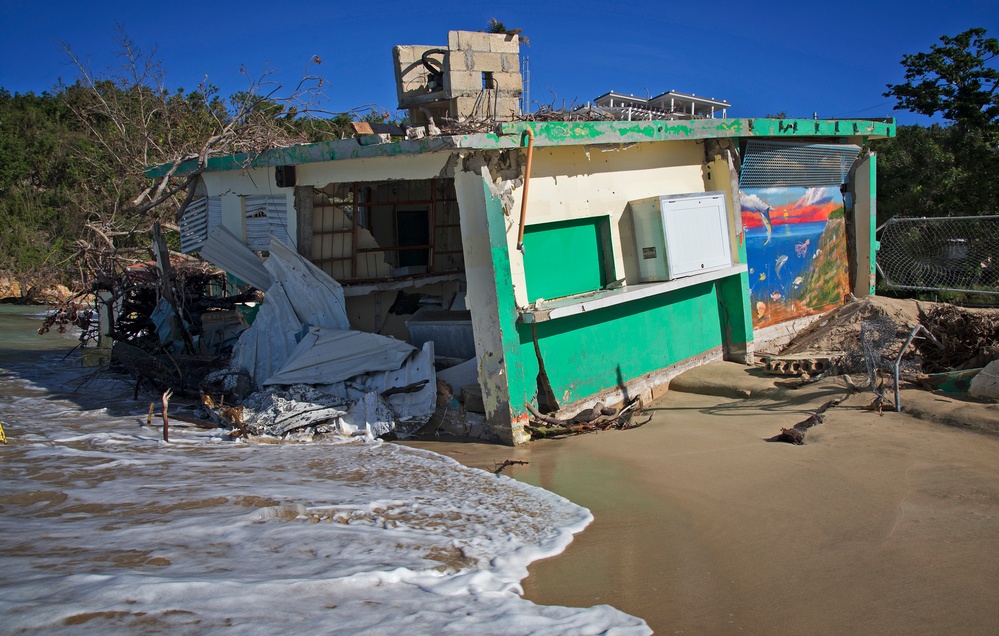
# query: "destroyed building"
{"type": "Point", "coordinates": [570, 261]}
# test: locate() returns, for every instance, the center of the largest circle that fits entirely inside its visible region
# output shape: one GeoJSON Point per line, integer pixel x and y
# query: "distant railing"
{"type": "Point", "coordinates": [952, 254]}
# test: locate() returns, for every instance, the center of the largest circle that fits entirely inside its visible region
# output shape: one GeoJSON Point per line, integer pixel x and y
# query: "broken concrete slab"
{"type": "Point", "coordinates": [811, 363]}
{"type": "Point", "coordinates": [280, 412]}
{"type": "Point", "coordinates": [985, 385]}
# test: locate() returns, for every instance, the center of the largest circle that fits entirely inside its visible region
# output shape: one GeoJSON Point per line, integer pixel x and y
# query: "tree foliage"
{"type": "Point", "coordinates": [75, 203]}
{"type": "Point", "coordinates": [39, 174]}
{"type": "Point", "coordinates": [957, 79]}
{"type": "Point", "coordinates": [952, 169]}
{"type": "Point", "coordinates": [936, 171]}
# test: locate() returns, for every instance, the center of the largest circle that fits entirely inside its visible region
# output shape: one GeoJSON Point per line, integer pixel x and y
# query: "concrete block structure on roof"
{"type": "Point", "coordinates": [478, 73]}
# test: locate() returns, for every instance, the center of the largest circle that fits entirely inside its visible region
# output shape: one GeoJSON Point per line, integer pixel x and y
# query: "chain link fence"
{"type": "Point", "coordinates": [952, 254]}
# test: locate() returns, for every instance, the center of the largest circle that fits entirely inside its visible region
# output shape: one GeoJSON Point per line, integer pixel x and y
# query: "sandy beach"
{"type": "Point", "coordinates": [877, 525]}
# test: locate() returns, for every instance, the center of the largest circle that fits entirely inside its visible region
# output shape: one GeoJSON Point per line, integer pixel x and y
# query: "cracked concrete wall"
{"type": "Point", "coordinates": [480, 78]}
{"type": "Point", "coordinates": [490, 298]}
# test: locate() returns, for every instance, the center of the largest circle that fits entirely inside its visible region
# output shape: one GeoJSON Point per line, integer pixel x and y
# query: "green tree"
{"type": "Point", "coordinates": [952, 169]}
{"type": "Point", "coordinates": [75, 202]}
{"type": "Point", "coordinates": [39, 174]}
{"type": "Point", "coordinates": [936, 171]}
{"type": "Point", "coordinates": [958, 79]}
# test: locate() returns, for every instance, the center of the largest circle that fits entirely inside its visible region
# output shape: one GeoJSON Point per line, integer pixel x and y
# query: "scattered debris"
{"type": "Point", "coordinates": [968, 338]}
{"type": "Point", "coordinates": [166, 421]}
{"type": "Point", "coordinates": [596, 418]}
{"type": "Point", "coordinates": [72, 313]}
{"type": "Point", "coordinates": [278, 412]}
{"type": "Point", "coordinates": [951, 343]}
{"type": "Point", "coordinates": [949, 381]}
{"type": "Point", "coordinates": [509, 462]}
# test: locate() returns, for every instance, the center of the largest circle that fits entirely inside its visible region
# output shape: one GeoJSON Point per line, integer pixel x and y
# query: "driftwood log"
{"type": "Point", "coordinates": [508, 462]}
{"type": "Point", "coordinates": [796, 434]}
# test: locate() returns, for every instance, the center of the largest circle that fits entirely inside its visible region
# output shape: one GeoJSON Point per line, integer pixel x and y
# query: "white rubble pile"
{"type": "Point", "coordinates": [341, 381]}
{"type": "Point", "coordinates": [278, 412]}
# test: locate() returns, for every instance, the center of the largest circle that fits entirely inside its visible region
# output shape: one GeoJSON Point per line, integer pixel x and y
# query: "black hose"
{"type": "Point", "coordinates": [429, 63]}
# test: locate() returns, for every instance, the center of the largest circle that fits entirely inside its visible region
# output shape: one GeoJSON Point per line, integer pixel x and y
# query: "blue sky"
{"type": "Point", "coordinates": [832, 59]}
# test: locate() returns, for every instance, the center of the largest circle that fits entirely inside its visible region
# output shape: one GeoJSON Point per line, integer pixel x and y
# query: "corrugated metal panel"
{"type": "Point", "coordinates": [214, 213]}
{"type": "Point", "coordinates": [300, 295]}
{"type": "Point", "coordinates": [317, 298]}
{"type": "Point", "coordinates": [201, 217]}
{"type": "Point", "coordinates": [266, 216]}
{"type": "Point", "coordinates": [776, 164]}
{"type": "Point", "coordinates": [326, 356]}
{"type": "Point", "coordinates": [194, 226]}
{"type": "Point", "coordinates": [224, 249]}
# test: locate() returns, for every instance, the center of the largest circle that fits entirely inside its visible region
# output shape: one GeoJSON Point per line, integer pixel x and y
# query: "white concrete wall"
{"type": "Point", "coordinates": [232, 185]}
{"type": "Point", "coordinates": [864, 210]}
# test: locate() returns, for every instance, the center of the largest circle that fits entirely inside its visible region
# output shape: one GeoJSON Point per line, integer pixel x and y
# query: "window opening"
{"type": "Point", "coordinates": [382, 230]}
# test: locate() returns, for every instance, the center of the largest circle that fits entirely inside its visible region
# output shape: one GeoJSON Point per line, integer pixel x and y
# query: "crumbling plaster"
{"type": "Point", "coordinates": [489, 295]}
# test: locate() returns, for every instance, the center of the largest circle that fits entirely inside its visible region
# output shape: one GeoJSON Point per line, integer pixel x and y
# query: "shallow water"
{"type": "Point", "coordinates": [107, 527]}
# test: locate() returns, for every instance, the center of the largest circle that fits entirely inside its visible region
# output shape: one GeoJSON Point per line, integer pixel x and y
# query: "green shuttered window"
{"type": "Point", "coordinates": [567, 257]}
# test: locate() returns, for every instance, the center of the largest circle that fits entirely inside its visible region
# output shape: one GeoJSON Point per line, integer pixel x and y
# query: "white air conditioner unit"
{"type": "Point", "coordinates": [680, 235]}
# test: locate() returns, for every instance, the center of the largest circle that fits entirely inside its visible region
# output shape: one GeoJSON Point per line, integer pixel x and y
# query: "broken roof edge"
{"type": "Point", "coordinates": [551, 133]}
{"type": "Point", "coordinates": [316, 152]}
{"type": "Point", "coordinates": [616, 132]}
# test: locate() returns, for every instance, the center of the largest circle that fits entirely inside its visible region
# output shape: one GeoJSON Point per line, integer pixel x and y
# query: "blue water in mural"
{"type": "Point", "coordinates": [777, 270]}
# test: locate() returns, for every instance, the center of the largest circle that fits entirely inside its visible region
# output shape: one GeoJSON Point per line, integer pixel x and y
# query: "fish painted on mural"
{"type": "Point", "coordinates": [775, 296]}
{"type": "Point", "coordinates": [763, 276]}
{"type": "Point", "coordinates": [765, 217]}
{"type": "Point", "coordinates": [780, 264]}
{"type": "Point", "coordinates": [797, 282]}
{"type": "Point", "coordinates": [761, 309]}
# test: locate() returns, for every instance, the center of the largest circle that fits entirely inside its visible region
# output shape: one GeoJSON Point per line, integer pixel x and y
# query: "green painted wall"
{"type": "Point", "coordinates": [590, 352]}
{"type": "Point", "coordinates": [564, 258]}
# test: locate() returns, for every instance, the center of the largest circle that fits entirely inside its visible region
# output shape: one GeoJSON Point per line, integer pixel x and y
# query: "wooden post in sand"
{"type": "Point", "coordinates": [166, 422]}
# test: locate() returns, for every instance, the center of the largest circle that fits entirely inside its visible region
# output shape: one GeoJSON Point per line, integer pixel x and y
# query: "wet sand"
{"type": "Point", "coordinates": [877, 525]}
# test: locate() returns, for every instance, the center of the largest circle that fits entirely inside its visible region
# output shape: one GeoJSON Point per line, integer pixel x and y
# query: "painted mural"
{"type": "Point", "coordinates": [796, 251]}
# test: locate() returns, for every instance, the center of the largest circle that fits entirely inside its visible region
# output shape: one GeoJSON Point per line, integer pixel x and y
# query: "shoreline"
{"type": "Point", "coordinates": [876, 525]}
